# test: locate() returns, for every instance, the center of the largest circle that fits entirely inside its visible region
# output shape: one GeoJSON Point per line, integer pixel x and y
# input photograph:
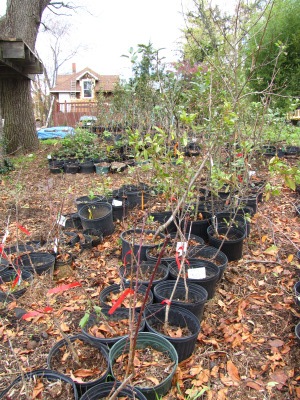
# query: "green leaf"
{"type": "Point", "coordinates": [84, 320]}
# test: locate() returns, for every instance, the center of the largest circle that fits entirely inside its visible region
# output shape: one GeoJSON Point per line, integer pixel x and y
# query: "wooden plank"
{"type": "Point", "coordinates": [12, 50]}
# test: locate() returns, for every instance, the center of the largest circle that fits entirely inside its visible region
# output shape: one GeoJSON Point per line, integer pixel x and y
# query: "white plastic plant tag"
{"type": "Point", "coordinates": [116, 203]}
{"type": "Point", "coordinates": [55, 249]}
{"type": "Point", "coordinates": [5, 236]}
{"type": "Point", "coordinates": [298, 298]}
{"type": "Point", "coordinates": [49, 156]}
{"type": "Point", "coordinates": [183, 245]}
{"type": "Point", "coordinates": [197, 273]}
{"type": "Point", "coordinates": [252, 173]}
{"type": "Point", "coordinates": [62, 220]}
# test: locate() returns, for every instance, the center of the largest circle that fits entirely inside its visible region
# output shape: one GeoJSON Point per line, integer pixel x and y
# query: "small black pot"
{"type": "Point", "coordinates": [163, 217]}
{"type": "Point", "coordinates": [197, 296]}
{"type": "Point", "coordinates": [199, 228]}
{"type": "Point", "coordinates": [9, 276]}
{"type": "Point", "coordinates": [116, 289]}
{"type": "Point", "coordinates": [212, 274]}
{"type": "Point", "coordinates": [71, 168]}
{"type": "Point", "coordinates": [95, 235]}
{"type": "Point", "coordinates": [239, 221]}
{"type": "Point", "coordinates": [178, 317]}
{"type": "Point", "coordinates": [87, 167]}
{"type": "Point", "coordinates": [82, 387]}
{"type": "Point", "coordinates": [103, 390]}
{"type": "Point", "coordinates": [73, 222]}
{"type": "Point", "coordinates": [233, 248]}
{"type": "Point", "coordinates": [41, 373]}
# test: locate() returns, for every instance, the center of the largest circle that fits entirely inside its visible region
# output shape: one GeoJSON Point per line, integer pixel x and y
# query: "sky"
{"type": "Point", "coordinates": [106, 29]}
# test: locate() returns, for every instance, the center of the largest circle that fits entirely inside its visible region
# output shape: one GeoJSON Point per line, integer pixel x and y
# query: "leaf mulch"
{"type": "Point", "coordinates": [247, 348]}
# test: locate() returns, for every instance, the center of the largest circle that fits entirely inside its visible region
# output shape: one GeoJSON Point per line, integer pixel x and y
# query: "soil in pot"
{"type": "Point", "coordinates": [92, 366]}
{"type": "Point", "coordinates": [155, 364]}
{"type": "Point", "coordinates": [145, 272]}
{"type": "Point", "coordinates": [41, 384]}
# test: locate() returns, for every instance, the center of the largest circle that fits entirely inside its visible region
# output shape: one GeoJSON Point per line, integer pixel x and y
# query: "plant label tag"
{"type": "Point", "coordinates": [116, 203]}
{"type": "Point", "coordinates": [49, 156]}
{"type": "Point", "coordinates": [183, 245]}
{"type": "Point", "coordinates": [55, 249]}
{"type": "Point", "coordinates": [5, 236]}
{"type": "Point", "coordinates": [197, 273]}
{"type": "Point", "coordinates": [298, 298]}
{"type": "Point", "coordinates": [62, 220]}
{"type": "Point", "coordinates": [252, 173]}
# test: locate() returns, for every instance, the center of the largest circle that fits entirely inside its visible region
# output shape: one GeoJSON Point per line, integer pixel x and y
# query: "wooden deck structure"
{"type": "Point", "coordinates": [17, 60]}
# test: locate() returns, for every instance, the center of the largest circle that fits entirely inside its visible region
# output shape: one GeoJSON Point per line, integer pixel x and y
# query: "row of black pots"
{"type": "Point", "coordinates": [271, 151]}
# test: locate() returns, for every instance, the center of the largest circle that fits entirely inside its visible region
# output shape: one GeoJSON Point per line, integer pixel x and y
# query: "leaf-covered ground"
{"type": "Point", "coordinates": [247, 348]}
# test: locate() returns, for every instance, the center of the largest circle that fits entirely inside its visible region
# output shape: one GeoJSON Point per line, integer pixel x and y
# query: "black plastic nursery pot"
{"type": "Point", "coordinates": [146, 267]}
{"type": "Point", "coordinates": [48, 374]}
{"type": "Point", "coordinates": [103, 390]}
{"type": "Point", "coordinates": [87, 167]}
{"type": "Point", "coordinates": [297, 293]}
{"type": "Point", "coordinates": [115, 289]}
{"type": "Point", "coordinates": [10, 275]}
{"type": "Point", "coordinates": [71, 168]}
{"type": "Point", "coordinates": [128, 236]}
{"type": "Point", "coordinates": [212, 272]}
{"type": "Point", "coordinates": [136, 197]}
{"type": "Point", "coordinates": [233, 246]}
{"type": "Point", "coordinates": [87, 200]}
{"type": "Point", "coordinates": [57, 349]}
{"type": "Point", "coordinates": [95, 235]}
{"type": "Point", "coordinates": [99, 217]}
{"type": "Point", "coordinates": [120, 208]}
{"type": "Point", "coordinates": [146, 340]}
{"type": "Point", "coordinates": [209, 253]}
{"type": "Point", "coordinates": [239, 221]}
{"type": "Point", "coordinates": [73, 221]}
{"type": "Point", "coordinates": [196, 299]}
{"type": "Point", "coordinates": [36, 262]}
{"type": "Point", "coordinates": [199, 227]}
{"type": "Point", "coordinates": [119, 314]}
{"type": "Point", "coordinates": [162, 217]}
{"type": "Point", "coordinates": [297, 332]}
{"type": "Point", "coordinates": [199, 241]}
{"type": "Point", "coordinates": [179, 318]}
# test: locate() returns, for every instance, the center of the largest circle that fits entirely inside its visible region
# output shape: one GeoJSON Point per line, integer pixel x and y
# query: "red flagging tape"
{"type": "Point", "coordinates": [119, 301]}
{"type": "Point", "coordinates": [128, 252]}
{"type": "Point", "coordinates": [166, 301]}
{"type": "Point", "coordinates": [17, 279]}
{"type": "Point", "coordinates": [2, 252]}
{"type": "Point", "coordinates": [63, 288]}
{"type": "Point", "coordinates": [36, 313]}
{"type": "Point", "coordinates": [240, 178]}
{"type": "Point", "coordinates": [23, 229]}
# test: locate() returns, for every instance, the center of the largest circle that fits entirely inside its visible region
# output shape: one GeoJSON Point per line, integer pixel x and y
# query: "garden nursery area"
{"type": "Point", "coordinates": [153, 250]}
{"type": "Point", "coordinates": [79, 233]}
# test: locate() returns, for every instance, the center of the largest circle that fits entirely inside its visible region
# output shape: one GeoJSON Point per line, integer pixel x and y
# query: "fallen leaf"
{"type": "Point", "coordinates": [276, 343]}
{"type": "Point", "coordinates": [195, 370]}
{"type": "Point", "coordinates": [290, 258]}
{"type": "Point", "coordinates": [255, 386]}
{"type": "Point", "coordinates": [83, 373]}
{"type": "Point", "coordinates": [37, 389]}
{"type": "Point", "coordinates": [153, 380]}
{"type": "Point", "coordinates": [233, 371]}
{"type": "Point", "coordinates": [264, 238]}
{"type": "Point", "coordinates": [272, 251]}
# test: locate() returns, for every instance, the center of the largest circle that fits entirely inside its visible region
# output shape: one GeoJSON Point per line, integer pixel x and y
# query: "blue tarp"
{"type": "Point", "coordinates": [55, 132]}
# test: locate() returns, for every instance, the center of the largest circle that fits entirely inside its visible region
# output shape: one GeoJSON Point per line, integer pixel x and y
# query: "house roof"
{"type": "Point", "coordinates": [105, 83]}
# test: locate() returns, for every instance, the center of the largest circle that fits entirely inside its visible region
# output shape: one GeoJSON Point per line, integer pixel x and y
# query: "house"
{"type": "Point", "coordinates": [76, 94]}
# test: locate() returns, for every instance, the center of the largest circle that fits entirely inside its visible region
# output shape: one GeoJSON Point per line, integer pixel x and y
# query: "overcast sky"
{"type": "Point", "coordinates": [106, 29]}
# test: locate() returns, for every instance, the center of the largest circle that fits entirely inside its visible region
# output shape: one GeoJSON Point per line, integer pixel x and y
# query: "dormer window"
{"type": "Point", "coordinates": [87, 88]}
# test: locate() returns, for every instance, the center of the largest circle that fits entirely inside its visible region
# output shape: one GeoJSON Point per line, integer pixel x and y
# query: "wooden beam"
{"type": "Point", "coordinates": [12, 50]}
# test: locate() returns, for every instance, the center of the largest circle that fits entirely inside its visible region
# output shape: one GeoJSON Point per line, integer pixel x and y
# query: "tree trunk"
{"type": "Point", "coordinates": [22, 20]}
{"type": "Point", "coordinates": [17, 111]}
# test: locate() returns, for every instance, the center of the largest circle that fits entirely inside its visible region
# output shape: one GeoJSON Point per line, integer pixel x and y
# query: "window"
{"type": "Point", "coordinates": [87, 88]}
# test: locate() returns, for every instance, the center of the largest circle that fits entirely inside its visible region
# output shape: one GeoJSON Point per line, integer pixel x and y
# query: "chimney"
{"type": "Point", "coordinates": [73, 68]}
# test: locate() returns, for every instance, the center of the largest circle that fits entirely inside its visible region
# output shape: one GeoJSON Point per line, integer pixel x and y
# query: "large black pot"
{"type": "Point", "coordinates": [199, 227]}
{"type": "Point", "coordinates": [233, 247]}
{"type": "Point", "coordinates": [98, 216]}
{"type": "Point", "coordinates": [197, 296]}
{"type": "Point", "coordinates": [36, 262]}
{"type": "Point", "coordinates": [116, 289]}
{"type": "Point", "coordinates": [103, 390]}
{"type": "Point", "coordinates": [119, 314]}
{"type": "Point", "coordinates": [145, 267]}
{"type": "Point", "coordinates": [212, 273]}
{"type": "Point", "coordinates": [209, 253]}
{"type": "Point", "coordinates": [179, 317]}
{"type": "Point", "coordinates": [127, 244]}
{"type": "Point", "coordinates": [87, 200]}
{"type": "Point", "coordinates": [162, 217]}
{"type": "Point", "coordinates": [41, 373]}
{"type": "Point", "coordinates": [239, 221]}
{"type": "Point", "coordinates": [82, 387]}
